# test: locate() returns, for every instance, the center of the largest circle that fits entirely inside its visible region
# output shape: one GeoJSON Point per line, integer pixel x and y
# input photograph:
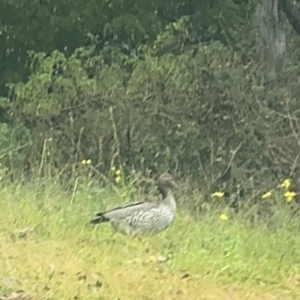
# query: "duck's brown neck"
{"type": "Point", "coordinates": [164, 191]}
{"type": "Point", "coordinates": [168, 198]}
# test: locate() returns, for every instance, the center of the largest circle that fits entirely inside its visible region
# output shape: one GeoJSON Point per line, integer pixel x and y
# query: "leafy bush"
{"type": "Point", "coordinates": [210, 114]}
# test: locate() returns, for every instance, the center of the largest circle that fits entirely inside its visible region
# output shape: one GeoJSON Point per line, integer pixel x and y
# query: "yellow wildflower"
{"type": "Point", "coordinates": [113, 168]}
{"type": "Point", "coordinates": [118, 172]}
{"type": "Point", "coordinates": [286, 184]}
{"type": "Point", "coordinates": [289, 196]}
{"type": "Point", "coordinates": [118, 179]}
{"type": "Point", "coordinates": [267, 195]}
{"type": "Point", "coordinates": [218, 194]}
{"type": "Point", "coordinates": [223, 217]}
{"type": "Point", "coordinates": [86, 162]}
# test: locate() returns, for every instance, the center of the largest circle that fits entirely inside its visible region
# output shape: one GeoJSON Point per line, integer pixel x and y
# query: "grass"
{"type": "Point", "coordinates": [48, 251]}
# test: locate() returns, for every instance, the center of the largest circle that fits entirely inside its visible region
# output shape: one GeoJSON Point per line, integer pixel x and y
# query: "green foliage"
{"type": "Point", "coordinates": [46, 26]}
{"type": "Point", "coordinates": [207, 115]}
{"type": "Point", "coordinates": [152, 97]}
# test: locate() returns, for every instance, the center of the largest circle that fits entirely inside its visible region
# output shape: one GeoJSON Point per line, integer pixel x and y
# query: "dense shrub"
{"type": "Point", "coordinates": [209, 114]}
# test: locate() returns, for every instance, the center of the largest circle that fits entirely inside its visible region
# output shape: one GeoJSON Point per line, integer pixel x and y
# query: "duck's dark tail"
{"type": "Point", "coordinates": [99, 218]}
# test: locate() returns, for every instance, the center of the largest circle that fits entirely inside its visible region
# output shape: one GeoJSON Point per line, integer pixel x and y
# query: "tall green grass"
{"type": "Point", "coordinates": [49, 251]}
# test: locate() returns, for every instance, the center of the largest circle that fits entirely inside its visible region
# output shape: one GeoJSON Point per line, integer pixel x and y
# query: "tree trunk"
{"type": "Point", "coordinates": [273, 36]}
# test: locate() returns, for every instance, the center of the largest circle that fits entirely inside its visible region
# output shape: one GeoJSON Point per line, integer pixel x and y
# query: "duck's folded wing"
{"type": "Point", "coordinates": [125, 211]}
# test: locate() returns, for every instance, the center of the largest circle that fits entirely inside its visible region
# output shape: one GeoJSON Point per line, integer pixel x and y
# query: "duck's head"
{"type": "Point", "coordinates": [166, 181]}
